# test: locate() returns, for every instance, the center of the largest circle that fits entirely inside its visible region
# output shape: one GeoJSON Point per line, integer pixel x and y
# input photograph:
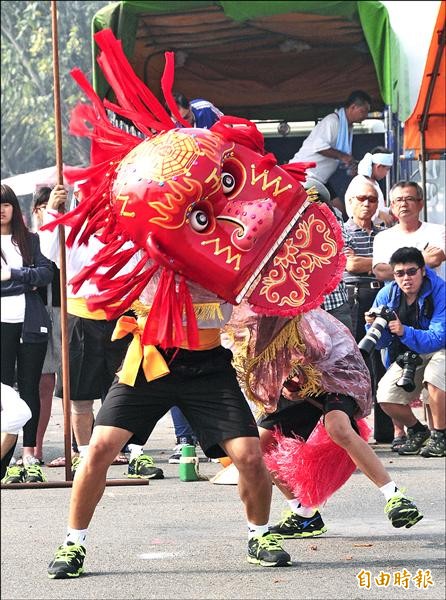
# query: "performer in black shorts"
{"type": "Point", "coordinates": [203, 384]}
{"type": "Point", "coordinates": [299, 419]}
{"type": "Point", "coordinates": [324, 375]}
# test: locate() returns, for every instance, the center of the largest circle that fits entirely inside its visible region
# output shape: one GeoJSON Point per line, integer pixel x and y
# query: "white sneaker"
{"type": "Point", "coordinates": [29, 461]}
{"type": "Point", "coordinates": [174, 458]}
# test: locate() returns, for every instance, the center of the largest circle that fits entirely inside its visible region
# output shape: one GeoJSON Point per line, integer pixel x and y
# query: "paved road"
{"type": "Point", "coordinates": [178, 540]}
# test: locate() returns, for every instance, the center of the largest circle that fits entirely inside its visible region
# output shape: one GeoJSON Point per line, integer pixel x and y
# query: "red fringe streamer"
{"type": "Point", "coordinates": [164, 328]}
{"type": "Point", "coordinates": [116, 301]}
{"type": "Point", "coordinates": [109, 144]}
{"type": "Point", "coordinates": [313, 470]}
{"type": "Point", "coordinates": [248, 135]}
{"type": "Point", "coordinates": [115, 139]}
{"type": "Point", "coordinates": [131, 92]}
{"type": "Point", "coordinates": [101, 257]}
{"type": "Point", "coordinates": [267, 162]}
{"type": "Point", "coordinates": [186, 304]}
{"type": "Point", "coordinates": [298, 170]}
{"type": "Point", "coordinates": [133, 115]}
{"type": "Point", "coordinates": [167, 85]}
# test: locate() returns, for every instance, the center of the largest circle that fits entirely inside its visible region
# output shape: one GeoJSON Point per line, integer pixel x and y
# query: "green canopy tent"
{"type": "Point", "coordinates": [260, 60]}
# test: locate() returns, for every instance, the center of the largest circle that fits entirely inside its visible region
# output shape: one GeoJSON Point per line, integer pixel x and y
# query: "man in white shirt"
{"type": "Point", "coordinates": [406, 202]}
{"type": "Point", "coordinates": [330, 142]}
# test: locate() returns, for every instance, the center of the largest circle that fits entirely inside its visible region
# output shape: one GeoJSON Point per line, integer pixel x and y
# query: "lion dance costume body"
{"type": "Point", "coordinates": [205, 216]}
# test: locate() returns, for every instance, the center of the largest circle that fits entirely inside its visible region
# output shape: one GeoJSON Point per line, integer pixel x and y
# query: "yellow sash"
{"type": "Point", "coordinates": [153, 363]}
{"type": "Point", "coordinates": [78, 308]}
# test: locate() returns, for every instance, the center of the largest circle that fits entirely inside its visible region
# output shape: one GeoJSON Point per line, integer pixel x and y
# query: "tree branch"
{"type": "Point", "coordinates": [25, 62]}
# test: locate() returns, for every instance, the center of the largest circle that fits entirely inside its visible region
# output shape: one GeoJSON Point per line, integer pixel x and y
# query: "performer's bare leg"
{"type": "Point", "coordinates": [82, 418]}
{"type": "Point", "coordinates": [266, 443]}
{"type": "Point", "coordinates": [254, 483]}
{"type": "Point", "coordinates": [46, 390]}
{"type": "Point", "coordinates": [89, 483]}
{"type": "Point", "coordinates": [299, 520]}
{"type": "Point", "coordinates": [338, 426]}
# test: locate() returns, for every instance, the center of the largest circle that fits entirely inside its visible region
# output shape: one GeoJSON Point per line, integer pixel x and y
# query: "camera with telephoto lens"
{"type": "Point", "coordinates": [383, 315]}
{"type": "Point", "coordinates": [409, 361]}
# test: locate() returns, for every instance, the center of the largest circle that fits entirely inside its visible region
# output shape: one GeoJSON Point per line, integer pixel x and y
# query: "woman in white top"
{"type": "Point", "coordinates": [24, 322]}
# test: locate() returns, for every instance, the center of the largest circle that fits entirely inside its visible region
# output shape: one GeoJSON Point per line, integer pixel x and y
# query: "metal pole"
{"type": "Point", "coordinates": [66, 484]}
{"type": "Point", "coordinates": [423, 171]}
{"type": "Point", "coordinates": [425, 114]}
{"type": "Point", "coordinates": [388, 143]}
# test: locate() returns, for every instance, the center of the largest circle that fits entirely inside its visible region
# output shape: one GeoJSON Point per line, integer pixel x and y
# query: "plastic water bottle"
{"type": "Point", "coordinates": [189, 464]}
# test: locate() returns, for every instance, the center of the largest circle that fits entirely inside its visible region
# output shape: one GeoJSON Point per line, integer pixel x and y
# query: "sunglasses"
{"type": "Point", "coordinates": [402, 199]}
{"type": "Point", "coordinates": [371, 199]}
{"type": "Point", "coordinates": [411, 272]}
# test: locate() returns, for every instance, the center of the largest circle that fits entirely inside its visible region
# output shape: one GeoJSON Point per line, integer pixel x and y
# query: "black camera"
{"type": "Point", "coordinates": [383, 315]}
{"type": "Point", "coordinates": [409, 361]}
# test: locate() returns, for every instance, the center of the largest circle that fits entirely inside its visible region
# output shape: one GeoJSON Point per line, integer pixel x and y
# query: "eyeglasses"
{"type": "Point", "coordinates": [402, 199]}
{"type": "Point", "coordinates": [371, 199]}
{"type": "Point", "coordinates": [411, 272]}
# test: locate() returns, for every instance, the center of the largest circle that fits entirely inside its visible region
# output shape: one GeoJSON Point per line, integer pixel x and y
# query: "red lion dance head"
{"type": "Point", "coordinates": [202, 205]}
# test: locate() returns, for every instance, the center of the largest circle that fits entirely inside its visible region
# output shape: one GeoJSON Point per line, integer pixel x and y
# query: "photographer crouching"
{"type": "Point", "coordinates": [408, 320]}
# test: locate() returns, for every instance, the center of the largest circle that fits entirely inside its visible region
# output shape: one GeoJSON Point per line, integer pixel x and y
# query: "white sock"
{"type": "Point", "coordinates": [303, 511]}
{"type": "Point", "coordinates": [254, 530]}
{"type": "Point", "coordinates": [135, 451]}
{"type": "Point", "coordinates": [389, 490]}
{"type": "Point", "coordinates": [76, 536]}
{"type": "Point", "coordinates": [82, 450]}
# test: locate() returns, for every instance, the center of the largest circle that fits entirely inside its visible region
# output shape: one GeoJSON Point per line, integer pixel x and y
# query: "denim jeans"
{"type": "Point", "coordinates": [181, 425]}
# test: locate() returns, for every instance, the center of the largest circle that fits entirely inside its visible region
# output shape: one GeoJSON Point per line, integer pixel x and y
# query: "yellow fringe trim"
{"type": "Point", "coordinates": [312, 194]}
{"type": "Point", "coordinates": [206, 311]}
{"type": "Point", "coordinates": [238, 343]}
{"type": "Point", "coordinates": [312, 386]}
{"type": "Point", "coordinates": [288, 337]}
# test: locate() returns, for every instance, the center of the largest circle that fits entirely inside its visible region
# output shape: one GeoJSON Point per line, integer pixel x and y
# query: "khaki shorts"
{"type": "Point", "coordinates": [431, 371]}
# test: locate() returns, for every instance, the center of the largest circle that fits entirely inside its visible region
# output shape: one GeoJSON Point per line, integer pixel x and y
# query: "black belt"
{"type": "Point", "coordinates": [373, 285]}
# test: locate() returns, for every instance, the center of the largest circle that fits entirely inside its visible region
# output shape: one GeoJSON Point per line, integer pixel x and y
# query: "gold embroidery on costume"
{"type": "Point", "coordinates": [296, 260]}
{"type": "Point", "coordinates": [288, 337]}
{"type": "Point", "coordinates": [204, 311]}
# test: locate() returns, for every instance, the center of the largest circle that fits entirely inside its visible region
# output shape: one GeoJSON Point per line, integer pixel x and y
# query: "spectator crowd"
{"type": "Point", "coordinates": [390, 304]}
{"type": "Point", "coordinates": [379, 237]}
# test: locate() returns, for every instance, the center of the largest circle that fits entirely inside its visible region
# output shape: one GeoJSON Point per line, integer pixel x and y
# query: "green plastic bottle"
{"type": "Point", "coordinates": [189, 464]}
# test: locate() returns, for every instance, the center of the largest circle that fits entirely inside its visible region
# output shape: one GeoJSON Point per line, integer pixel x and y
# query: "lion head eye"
{"type": "Point", "coordinates": [199, 220]}
{"type": "Point", "coordinates": [227, 182]}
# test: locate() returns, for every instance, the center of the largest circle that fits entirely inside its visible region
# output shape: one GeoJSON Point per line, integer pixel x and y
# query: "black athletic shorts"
{"type": "Point", "coordinates": [202, 384]}
{"type": "Point", "coordinates": [94, 358]}
{"type": "Point", "coordinates": [300, 418]}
